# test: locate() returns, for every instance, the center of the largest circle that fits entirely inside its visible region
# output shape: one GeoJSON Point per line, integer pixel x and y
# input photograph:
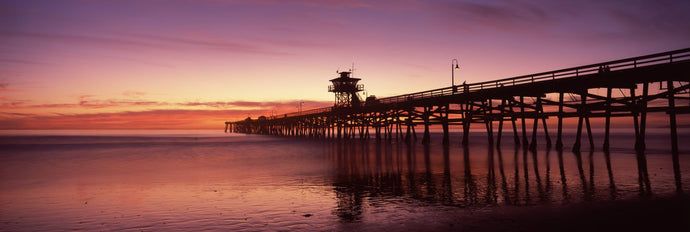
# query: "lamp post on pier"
{"type": "Point", "coordinates": [301, 103]}
{"type": "Point", "coordinates": [452, 75]}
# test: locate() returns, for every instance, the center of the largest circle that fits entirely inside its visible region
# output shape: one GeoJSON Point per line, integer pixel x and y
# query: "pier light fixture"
{"type": "Point", "coordinates": [452, 75]}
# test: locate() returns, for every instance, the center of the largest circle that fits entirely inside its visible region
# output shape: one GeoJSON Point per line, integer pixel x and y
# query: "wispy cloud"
{"type": "Point", "coordinates": [259, 105]}
{"type": "Point", "coordinates": [80, 39]}
{"type": "Point", "coordinates": [208, 43]}
{"type": "Point", "coordinates": [158, 119]}
{"type": "Point", "coordinates": [137, 113]}
{"type": "Point", "coordinates": [130, 93]}
{"type": "Point", "coordinates": [323, 3]}
{"type": "Point", "coordinates": [91, 102]}
{"type": "Point", "coordinates": [17, 114]}
{"type": "Point", "coordinates": [664, 17]}
{"type": "Point", "coordinates": [587, 18]}
{"type": "Point", "coordinates": [19, 61]}
{"type": "Point", "coordinates": [499, 15]}
{"type": "Point", "coordinates": [12, 104]}
{"type": "Point", "coordinates": [136, 41]}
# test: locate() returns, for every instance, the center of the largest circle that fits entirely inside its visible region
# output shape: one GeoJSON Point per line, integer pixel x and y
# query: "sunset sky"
{"type": "Point", "coordinates": [76, 64]}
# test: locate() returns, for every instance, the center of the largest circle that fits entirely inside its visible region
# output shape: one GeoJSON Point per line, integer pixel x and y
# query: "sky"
{"type": "Point", "coordinates": [183, 64]}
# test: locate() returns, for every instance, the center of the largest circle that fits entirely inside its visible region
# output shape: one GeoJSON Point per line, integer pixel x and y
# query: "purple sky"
{"type": "Point", "coordinates": [153, 56]}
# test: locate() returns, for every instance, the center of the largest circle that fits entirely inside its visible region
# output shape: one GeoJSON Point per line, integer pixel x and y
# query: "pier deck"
{"type": "Point", "coordinates": [565, 93]}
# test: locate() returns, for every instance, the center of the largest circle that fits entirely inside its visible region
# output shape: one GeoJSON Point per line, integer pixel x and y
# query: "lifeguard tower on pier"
{"type": "Point", "coordinates": [346, 90]}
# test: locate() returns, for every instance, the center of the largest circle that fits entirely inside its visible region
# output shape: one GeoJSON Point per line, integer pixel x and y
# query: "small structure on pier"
{"type": "Point", "coordinates": [346, 90]}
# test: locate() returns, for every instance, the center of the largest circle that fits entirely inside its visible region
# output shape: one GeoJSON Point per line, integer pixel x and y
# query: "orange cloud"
{"type": "Point", "coordinates": [154, 119]}
{"type": "Point", "coordinates": [146, 119]}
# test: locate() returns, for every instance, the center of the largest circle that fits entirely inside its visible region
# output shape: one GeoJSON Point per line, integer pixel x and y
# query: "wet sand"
{"type": "Point", "coordinates": [653, 214]}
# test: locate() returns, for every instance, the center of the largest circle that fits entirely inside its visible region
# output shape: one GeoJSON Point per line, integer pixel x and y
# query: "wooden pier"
{"type": "Point", "coordinates": [517, 101]}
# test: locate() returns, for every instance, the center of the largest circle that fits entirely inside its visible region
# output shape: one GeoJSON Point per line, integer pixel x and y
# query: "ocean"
{"type": "Point", "coordinates": [207, 180]}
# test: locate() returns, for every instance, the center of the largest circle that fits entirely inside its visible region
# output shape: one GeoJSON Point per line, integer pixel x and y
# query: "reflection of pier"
{"type": "Point", "coordinates": [370, 174]}
{"type": "Point", "coordinates": [561, 94]}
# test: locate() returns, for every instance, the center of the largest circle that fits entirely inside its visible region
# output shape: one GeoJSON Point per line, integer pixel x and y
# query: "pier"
{"type": "Point", "coordinates": [523, 103]}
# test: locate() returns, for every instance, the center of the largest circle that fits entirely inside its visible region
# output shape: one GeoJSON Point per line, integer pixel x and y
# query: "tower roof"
{"type": "Point", "coordinates": [344, 76]}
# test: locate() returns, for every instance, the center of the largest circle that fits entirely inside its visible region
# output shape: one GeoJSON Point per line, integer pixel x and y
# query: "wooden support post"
{"type": "Point", "coordinates": [462, 118]}
{"type": "Point", "coordinates": [400, 126]}
{"type": "Point", "coordinates": [378, 128]}
{"type": "Point", "coordinates": [581, 114]}
{"type": "Point", "coordinates": [559, 133]}
{"type": "Point", "coordinates": [390, 126]}
{"type": "Point", "coordinates": [500, 123]}
{"type": "Point", "coordinates": [394, 128]}
{"type": "Point", "coordinates": [533, 145]}
{"type": "Point", "coordinates": [608, 119]}
{"type": "Point", "coordinates": [386, 135]}
{"type": "Point", "coordinates": [522, 116]}
{"type": "Point", "coordinates": [361, 130]}
{"type": "Point", "coordinates": [398, 130]}
{"type": "Point", "coordinates": [298, 129]}
{"type": "Point", "coordinates": [366, 123]}
{"type": "Point", "coordinates": [464, 113]}
{"type": "Point", "coordinates": [408, 122]}
{"type": "Point", "coordinates": [466, 124]}
{"type": "Point", "coordinates": [674, 136]}
{"type": "Point", "coordinates": [444, 123]}
{"type": "Point", "coordinates": [426, 138]}
{"type": "Point", "coordinates": [340, 130]}
{"type": "Point", "coordinates": [589, 132]}
{"type": "Point", "coordinates": [516, 137]}
{"type": "Point", "coordinates": [489, 122]}
{"type": "Point", "coordinates": [546, 129]}
{"type": "Point", "coordinates": [635, 112]}
{"type": "Point", "coordinates": [367, 136]}
{"type": "Point", "coordinates": [346, 130]}
{"type": "Point", "coordinates": [305, 128]}
{"type": "Point", "coordinates": [640, 145]}
{"type": "Point", "coordinates": [366, 129]}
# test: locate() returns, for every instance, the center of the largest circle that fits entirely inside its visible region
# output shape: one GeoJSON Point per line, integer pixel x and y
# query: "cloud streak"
{"type": "Point", "coordinates": [18, 61]}
{"type": "Point", "coordinates": [211, 44]}
{"type": "Point", "coordinates": [189, 115]}
{"type": "Point", "coordinates": [326, 3]}
{"type": "Point", "coordinates": [586, 18]}
{"type": "Point", "coordinates": [139, 41]}
{"type": "Point", "coordinates": [151, 119]}
{"type": "Point", "coordinates": [78, 39]}
{"type": "Point", "coordinates": [87, 101]}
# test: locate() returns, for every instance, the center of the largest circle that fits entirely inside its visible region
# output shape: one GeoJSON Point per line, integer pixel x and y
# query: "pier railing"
{"type": "Point", "coordinates": [630, 63]}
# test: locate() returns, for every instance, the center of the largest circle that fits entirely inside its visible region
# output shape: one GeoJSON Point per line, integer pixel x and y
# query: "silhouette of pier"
{"type": "Point", "coordinates": [565, 93]}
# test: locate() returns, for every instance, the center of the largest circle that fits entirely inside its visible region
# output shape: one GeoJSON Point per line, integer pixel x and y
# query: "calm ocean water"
{"type": "Point", "coordinates": [207, 180]}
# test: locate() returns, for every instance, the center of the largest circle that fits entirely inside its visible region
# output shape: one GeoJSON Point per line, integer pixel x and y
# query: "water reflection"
{"type": "Point", "coordinates": [643, 175]}
{"type": "Point", "coordinates": [378, 175]}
